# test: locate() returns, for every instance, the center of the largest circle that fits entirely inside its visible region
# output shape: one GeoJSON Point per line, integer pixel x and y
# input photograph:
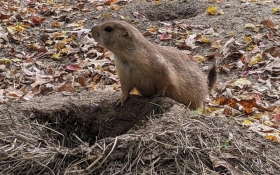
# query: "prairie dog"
{"type": "Point", "coordinates": [153, 70]}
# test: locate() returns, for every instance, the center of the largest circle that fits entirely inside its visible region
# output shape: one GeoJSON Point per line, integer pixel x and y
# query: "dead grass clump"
{"type": "Point", "coordinates": [177, 142]}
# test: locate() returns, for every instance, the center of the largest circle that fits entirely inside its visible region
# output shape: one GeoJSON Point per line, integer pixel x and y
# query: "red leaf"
{"type": "Point", "coordinates": [38, 20]}
{"type": "Point", "coordinates": [74, 67]}
{"type": "Point", "coordinates": [165, 37]}
{"type": "Point", "coordinates": [276, 118]}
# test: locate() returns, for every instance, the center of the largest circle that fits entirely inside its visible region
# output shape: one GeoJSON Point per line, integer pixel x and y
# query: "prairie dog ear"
{"type": "Point", "coordinates": [126, 34]}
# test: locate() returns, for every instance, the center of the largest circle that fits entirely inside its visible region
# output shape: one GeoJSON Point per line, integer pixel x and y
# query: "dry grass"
{"type": "Point", "coordinates": [174, 143]}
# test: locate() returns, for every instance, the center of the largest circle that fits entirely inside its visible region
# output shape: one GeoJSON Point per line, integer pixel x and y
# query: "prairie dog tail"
{"type": "Point", "coordinates": [212, 77]}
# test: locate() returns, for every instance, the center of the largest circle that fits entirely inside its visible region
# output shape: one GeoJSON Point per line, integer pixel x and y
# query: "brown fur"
{"type": "Point", "coordinates": [153, 70]}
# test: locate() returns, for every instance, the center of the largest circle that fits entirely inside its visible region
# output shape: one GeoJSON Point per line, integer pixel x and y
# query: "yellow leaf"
{"type": "Point", "coordinates": [152, 29]}
{"type": "Point", "coordinates": [256, 59]}
{"type": "Point", "coordinates": [272, 136]}
{"type": "Point", "coordinates": [203, 39]}
{"type": "Point", "coordinates": [247, 39]}
{"type": "Point", "coordinates": [212, 10]}
{"type": "Point", "coordinates": [106, 15]}
{"type": "Point", "coordinates": [19, 27]}
{"type": "Point", "coordinates": [251, 47]}
{"type": "Point", "coordinates": [135, 92]}
{"type": "Point", "coordinates": [246, 122]}
{"type": "Point", "coordinates": [275, 10]}
{"type": "Point", "coordinates": [4, 61]}
{"type": "Point", "coordinates": [56, 56]}
{"type": "Point", "coordinates": [49, 2]}
{"type": "Point", "coordinates": [158, 2]}
{"type": "Point", "coordinates": [80, 23]}
{"type": "Point", "coordinates": [11, 29]}
{"type": "Point", "coordinates": [60, 45]}
{"type": "Point", "coordinates": [99, 67]}
{"type": "Point", "coordinates": [231, 34]}
{"type": "Point", "coordinates": [268, 123]}
{"type": "Point", "coordinates": [56, 24]}
{"type": "Point", "coordinates": [64, 50]}
{"type": "Point", "coordinates": [200, 58]}
{"type": "Point", "coordinates": [241, 82]}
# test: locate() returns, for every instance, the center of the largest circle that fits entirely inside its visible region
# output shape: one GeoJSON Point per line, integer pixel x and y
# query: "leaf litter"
{"type": "Point", "coordinates": [46, 48]}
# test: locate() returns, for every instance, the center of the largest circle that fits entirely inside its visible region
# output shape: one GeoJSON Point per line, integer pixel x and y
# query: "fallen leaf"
{"type": "Point", "coordinates": [190, 41]}
{"type": "Point", "coordinates": [275, 10]}
{"type": "Point", "coordinates": [247, 39]}
{"type": "Point", "coordinates": [38, 20]}
{"type": "Point", "coordinates": [254, 60]}
{"type": "Point", "coordinates": [273, 136]}
{"type": "Point", "coordinates": [246, 122]}
{"type": "Point", "coordinates": [221, 165]}
{"type": "Point", "coordinates": [241, 83]}
{"type": "Point", "coordinates": [56, 24]}
{"type": "Point", "coordinates": [204, 39]}
{"type": "Point", "coordinates": [41, 79]}
{"type": "Point", "coordinates": [165, 37]}
{"type": "Point", "coordinates": [56, 56]}
{"type": "Point", "coordinates": [66, 87]}
{"type": "Point", "coordinates": [216, 45]}
{"type": "Point", "coordinates": [74, 67]}
{"type": "Point", "coordinates": [212, 10]}
{"type": "Point", "coordinates": [268, 22]}
{"type": "Point", "coordinates": [276, 118]}
{"type": "Point", "coordinates": [3, 16]}
{"type": "Point", "coordinates": [5, 61]}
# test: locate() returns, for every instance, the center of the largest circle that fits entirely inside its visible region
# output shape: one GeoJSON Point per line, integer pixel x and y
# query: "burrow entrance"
{"type": "Point", "coordinates": [90, 116]}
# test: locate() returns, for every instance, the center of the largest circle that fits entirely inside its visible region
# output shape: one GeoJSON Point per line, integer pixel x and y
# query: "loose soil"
{"type": "Point", "coordinates": [83, 133]}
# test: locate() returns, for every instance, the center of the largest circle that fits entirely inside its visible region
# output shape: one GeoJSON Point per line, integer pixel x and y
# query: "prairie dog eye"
{"type": "Point", "coordinates": [108, 29]}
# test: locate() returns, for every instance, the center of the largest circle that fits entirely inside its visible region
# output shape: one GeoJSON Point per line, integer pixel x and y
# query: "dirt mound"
{"type": "Point", "coordinates": [92, 115]}
{"type": "Point", "coordinates": [84, 134]}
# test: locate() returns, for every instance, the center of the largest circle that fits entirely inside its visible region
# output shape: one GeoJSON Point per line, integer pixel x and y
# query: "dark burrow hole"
{"type": "Point", "coordinates": [88, 123]}
{"type": "Point", "coordinates": [168, 11]}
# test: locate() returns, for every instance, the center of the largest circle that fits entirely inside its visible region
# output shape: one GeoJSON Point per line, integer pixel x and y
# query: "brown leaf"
{"type": "Point", "coordinates": [56, 24]}
{"type": "Point", "coordinates": [82, 81]}
{"type": "Point", "coordinates": [36, 90]}
{"type": "Point", "coordinates": [3, 16]}
{"type": "Point", "coordinates": [38, 20]}
{"type": "Point", "coordinates": [273, 51]}
{"type": "Point", "coordinates": [41, 79]}
{"type": "Point", "coordinates": [226, 101]}
{"type": "Point", "coordinates": [268, 22]}
{"type": "Point", "coordinates": [223, 165]}
{"type": "Point", "coordinates": [66, 87]}
{"type": "Point", "coordinates": [247, 104]}
{"type": "Point", "coordinates": [216, 45]}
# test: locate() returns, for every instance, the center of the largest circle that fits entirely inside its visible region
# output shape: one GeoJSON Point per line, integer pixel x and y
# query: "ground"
{"type": "Point", "coordinates": [57, 110]}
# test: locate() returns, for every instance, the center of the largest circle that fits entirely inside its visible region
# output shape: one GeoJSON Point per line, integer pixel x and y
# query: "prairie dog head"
{"type": "Point", "coordinates": [116, 36]}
